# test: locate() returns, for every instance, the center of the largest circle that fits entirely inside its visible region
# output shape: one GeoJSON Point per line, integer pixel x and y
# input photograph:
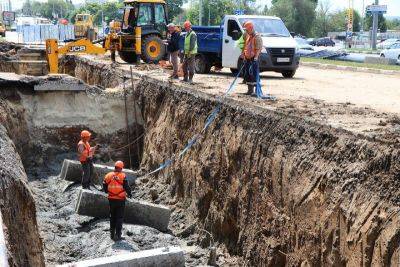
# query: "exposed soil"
{"type": "Point", "coordinates": [304, 181]}
{"type": "Point", "coordinates": [274, 187]}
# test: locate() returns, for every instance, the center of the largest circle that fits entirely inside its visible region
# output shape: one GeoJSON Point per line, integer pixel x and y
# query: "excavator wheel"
{"type": "Point", "coordinates": [153, 49]}
{"type": "Point", "coordinates": [128, 57]}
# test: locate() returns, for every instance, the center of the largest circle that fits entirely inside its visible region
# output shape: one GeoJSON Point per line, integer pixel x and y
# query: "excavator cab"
{"type": "Point", "coordinates": [147, 18]}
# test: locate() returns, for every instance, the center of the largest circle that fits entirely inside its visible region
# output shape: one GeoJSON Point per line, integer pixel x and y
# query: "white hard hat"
{"type": "Point", "coordinates": [171, 25]}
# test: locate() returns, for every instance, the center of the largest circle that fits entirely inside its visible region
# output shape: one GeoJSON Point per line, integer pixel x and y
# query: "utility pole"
{"type": "Point", "coordinates": [200, 12]}
{"type": "Point", "coordinates": [374, 27]}
{"type": "Point", "coordinates": [363, 17]}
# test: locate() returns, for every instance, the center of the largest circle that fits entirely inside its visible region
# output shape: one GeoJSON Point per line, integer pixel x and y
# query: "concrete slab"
{"type": "Point", "coordinates": [61, 82]}
{"type": "Point", "coordinates": [162, 257]}
{"type": "Point", "coordinates": [95, 204]}
{"type": "Point", "coordinates": [71, 171]}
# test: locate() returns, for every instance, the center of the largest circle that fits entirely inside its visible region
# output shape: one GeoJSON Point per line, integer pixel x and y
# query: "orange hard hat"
{"type": "Point", "coordinates": [187, 24]}
{"type": "Point", "coordinates": [248, 25]}
{"type": "Point", "coordinates": [119, 164]}
{"type": "Point", "coordinates": [85, 133]}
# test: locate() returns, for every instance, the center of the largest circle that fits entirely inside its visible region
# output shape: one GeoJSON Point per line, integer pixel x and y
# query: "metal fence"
{"type": "Point", "coordinates": [39, 33]}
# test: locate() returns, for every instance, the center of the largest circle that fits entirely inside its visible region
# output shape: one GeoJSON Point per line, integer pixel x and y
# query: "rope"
{"type": "Point", "coordinates": [196, 137]}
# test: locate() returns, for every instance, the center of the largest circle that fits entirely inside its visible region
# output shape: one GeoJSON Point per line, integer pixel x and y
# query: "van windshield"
{"type": "Point", "coordinates": [268, 27]}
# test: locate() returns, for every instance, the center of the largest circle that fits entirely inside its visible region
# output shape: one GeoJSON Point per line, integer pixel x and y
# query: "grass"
{"type": "Point", "coordinates": [351, 64]}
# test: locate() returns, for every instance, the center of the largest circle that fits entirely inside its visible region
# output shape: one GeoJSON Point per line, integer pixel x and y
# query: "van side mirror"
{"type": "Point", "coordinates": [236, 35]}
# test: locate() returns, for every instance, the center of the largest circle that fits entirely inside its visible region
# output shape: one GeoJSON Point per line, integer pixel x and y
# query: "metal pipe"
{"type": "Point", "coordinates": [375, 21]}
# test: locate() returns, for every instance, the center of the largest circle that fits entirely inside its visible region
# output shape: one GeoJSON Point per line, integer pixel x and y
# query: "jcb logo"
{"type": "Point", "coordinates": [77, 48]}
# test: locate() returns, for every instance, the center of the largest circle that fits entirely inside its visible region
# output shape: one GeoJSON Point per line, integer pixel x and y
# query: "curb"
{"type": "Point", "coordinates": [349, 68]}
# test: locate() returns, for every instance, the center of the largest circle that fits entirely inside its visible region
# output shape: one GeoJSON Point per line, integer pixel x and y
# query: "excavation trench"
{"type": "Point", "coordinates": [272, 189]}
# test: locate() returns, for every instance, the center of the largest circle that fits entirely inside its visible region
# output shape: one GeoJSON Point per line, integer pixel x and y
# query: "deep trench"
{"type": "Point", "coordinates": [273, 189]}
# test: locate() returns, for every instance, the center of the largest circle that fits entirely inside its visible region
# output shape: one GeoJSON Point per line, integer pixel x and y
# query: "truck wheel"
{"type": "Point", "coordinates": [288, 73]}
{"type": "Point", "coordinates": [128, 56]}
{"type": "Point", "coordinates": [153, 49]}
{"type": "Point", "coordinates": [201, 65]}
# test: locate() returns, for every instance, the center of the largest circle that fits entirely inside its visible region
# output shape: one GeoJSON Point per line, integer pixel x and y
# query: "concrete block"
{"type": "Point", "coordinates": [162, 257]}
{"type": "Point", "coordinates": [380, 60]}
{"type": "Point", "coordinates": [72, 171]}
{"type": "Point", "coordinates": [95, 204]}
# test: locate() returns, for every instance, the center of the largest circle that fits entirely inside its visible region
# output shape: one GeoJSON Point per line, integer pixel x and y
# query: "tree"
{"type": "Point", "coordinates": [382, 26]}
{"type": "Point", "coordinates": [174, 8]}
{"type": "Point", "coordinates": [109, 10]}
{"type": "Point", "coordinates": [213, 10]}
{"type": "Point", "coordinates": [298, 15]}
{"type": "Point", "coordinates": [322, 23]}
{"type": "Point", "coordinates": [393, 24]}
{"type": "Point", "coordinates": [52, 9]}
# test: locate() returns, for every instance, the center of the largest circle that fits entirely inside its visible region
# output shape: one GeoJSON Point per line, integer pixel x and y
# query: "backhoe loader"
{"type": "Point", "coordinates": [139, 36]}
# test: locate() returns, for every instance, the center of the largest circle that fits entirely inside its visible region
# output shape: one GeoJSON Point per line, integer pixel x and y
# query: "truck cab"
{"type": "Point", "coordinates": [218, 45]}
{"type": "Point", "coordinates": [279, 53]}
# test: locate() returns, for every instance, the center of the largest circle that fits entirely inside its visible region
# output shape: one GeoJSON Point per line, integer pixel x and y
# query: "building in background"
{"type": "Point", "coordinates": [5, 5]}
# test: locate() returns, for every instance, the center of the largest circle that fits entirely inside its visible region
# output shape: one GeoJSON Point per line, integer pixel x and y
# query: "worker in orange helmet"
{"type": "Point", "coordinates": [85, 154]}
{"type": "Point", "coordinates": [189, 53]}
{"type": "Point", "coordinates": [252, 49]}
{"type": "Point", "coordinates": [117, 187]}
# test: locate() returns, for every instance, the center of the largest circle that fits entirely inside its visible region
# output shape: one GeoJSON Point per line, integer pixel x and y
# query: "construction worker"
{"type": "Point", "coordinates": [117, 188]}
{"type": "Point", "coordinates": [173, 49]}
{"type": "Point", "coordinates": [252, 48]}
{"type": "Point", "coordinates": [85, 154]}
{"type": "Point", "coordinates": [190, 51]}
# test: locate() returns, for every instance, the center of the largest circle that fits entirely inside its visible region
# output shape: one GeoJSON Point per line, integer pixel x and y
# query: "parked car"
{"type": "Point", "coordinates": [303, 44]}
{"type": "Point", "coordinates": [326, 41]}
{"type": "Point", "coordinates": [392, 52]}
{"type": "Point", "coordinates": [387, 43]}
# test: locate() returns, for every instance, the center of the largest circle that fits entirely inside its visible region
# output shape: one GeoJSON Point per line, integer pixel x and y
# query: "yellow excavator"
{"type": "Point", "coordinates": [84, 27]}
{"type": "Point", "coordinates": [140, 35]}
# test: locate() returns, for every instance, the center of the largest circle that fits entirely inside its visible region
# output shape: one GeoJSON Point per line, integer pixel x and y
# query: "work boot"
{"type": "Point", "coordinates": [250, 89]}
{"type": "Point", "coordinates": [112, 234]}
{"type": "Point", "coordinates": [190, 81]}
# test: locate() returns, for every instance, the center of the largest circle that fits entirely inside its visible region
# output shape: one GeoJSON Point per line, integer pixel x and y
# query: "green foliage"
{"type": "Point", "coordinates": [382, 26]}
{"type": "Point", "coordinates": [52, 9]}
{"type": "Point", "coordinates": [174, 8]}
{"type": "Point", "coordinates": [298, 15]}
{"type": "Point", "coordinates": [216, 9]}
{"type": "Point", "coordinates": [109, 9]}
{"type": "Point", "coordinates": [393, 24]}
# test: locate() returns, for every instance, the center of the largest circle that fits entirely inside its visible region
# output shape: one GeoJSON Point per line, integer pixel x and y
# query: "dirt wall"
{"type": "Point", "coordinates": [274, 188]}
{"type": "Point", "coordinates": [24, 244]}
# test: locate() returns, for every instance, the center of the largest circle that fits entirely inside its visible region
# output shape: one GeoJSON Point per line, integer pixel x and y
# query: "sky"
{"type": "Point", "coordinates": [393, 5]}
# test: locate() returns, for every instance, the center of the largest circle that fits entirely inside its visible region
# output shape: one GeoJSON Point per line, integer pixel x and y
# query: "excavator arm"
{"type": "Point", "coordinates": [81, 46]}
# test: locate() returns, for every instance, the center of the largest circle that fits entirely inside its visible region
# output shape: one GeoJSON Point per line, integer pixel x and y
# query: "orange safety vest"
{"type": "Point", "coordinates": [250, 46]}
{"type": "Point", "coordinates": [86, 152]}
{"type": "Point", "coordinates": [115, 185]}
